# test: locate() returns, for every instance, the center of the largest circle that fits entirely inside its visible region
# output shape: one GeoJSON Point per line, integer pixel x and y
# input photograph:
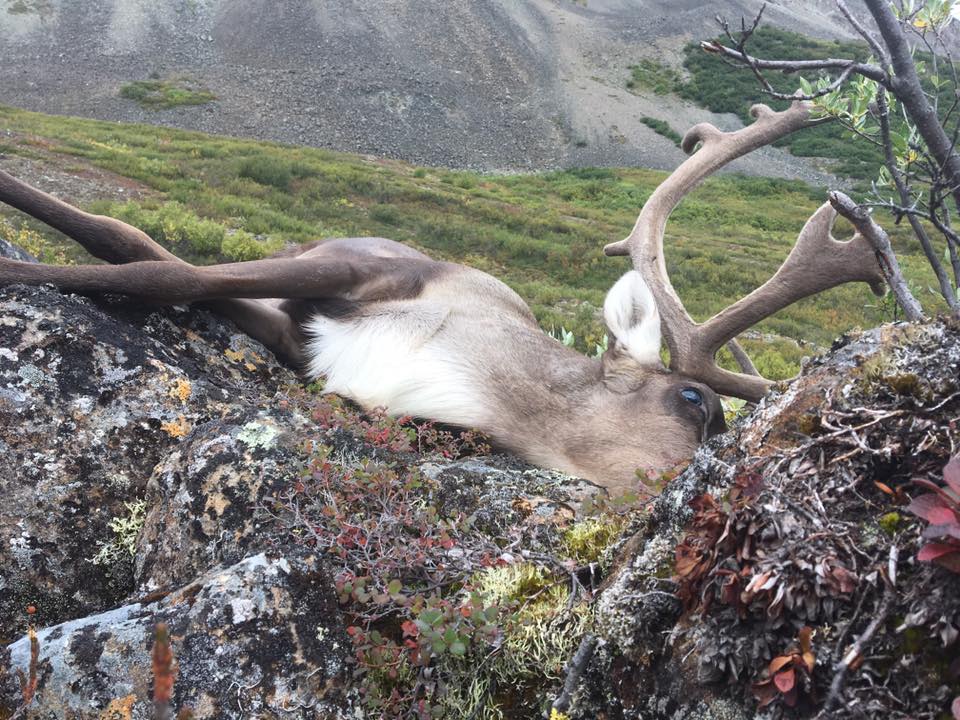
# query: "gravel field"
{"type": "Point", "coordinates": [491, 85]}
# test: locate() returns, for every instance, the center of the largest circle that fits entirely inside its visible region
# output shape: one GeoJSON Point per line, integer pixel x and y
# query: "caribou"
{"type": "Point", "coordinates": [387, 326]}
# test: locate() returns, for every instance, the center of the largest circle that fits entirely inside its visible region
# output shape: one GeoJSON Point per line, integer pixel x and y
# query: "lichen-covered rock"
{"type": "Point", "coordinates": [149, 448]}
{"type": "Point", "coordinates": [490, 490]}
{"type": "Point", "coordinates": [204, 496]}
{"type": "Point", "coordinates": [261, 638]}
{"type": "Point", "coordinates": [775, 550]}
{"type": "Point", "coordinates": [92, 396]}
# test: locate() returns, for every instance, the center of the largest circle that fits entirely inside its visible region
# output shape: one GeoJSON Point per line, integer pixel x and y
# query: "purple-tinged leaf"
{"type": "Point", "coordinates": [931, 551]}
{"type": "Point", "coordinates": [931, 508]}
{"type": "Point", "coordinates": [785, 680]}
{"type": "Point", "coordinates": [951, 474]}
{"type": "Point", "coordinates": [944, 531]}
{"type": "Point", "coordinates": [948, 496]}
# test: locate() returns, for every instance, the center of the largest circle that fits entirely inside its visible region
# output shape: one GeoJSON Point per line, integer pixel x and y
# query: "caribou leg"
{"type": "Point", "coordinates": [119, 243]}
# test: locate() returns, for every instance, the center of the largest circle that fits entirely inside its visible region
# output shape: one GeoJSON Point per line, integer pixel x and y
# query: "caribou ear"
{"type": "Point", "coordinates": [633, 321]}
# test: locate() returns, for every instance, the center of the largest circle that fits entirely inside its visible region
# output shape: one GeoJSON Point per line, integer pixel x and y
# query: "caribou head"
{"type": "Point", "coordinates": [389, 327]}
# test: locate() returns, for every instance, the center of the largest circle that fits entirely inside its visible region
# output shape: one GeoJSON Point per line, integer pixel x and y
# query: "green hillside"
{"type": "Point", "coordinates": [213, 198]}
{"type": "Point", "coordinates": [716, 85]}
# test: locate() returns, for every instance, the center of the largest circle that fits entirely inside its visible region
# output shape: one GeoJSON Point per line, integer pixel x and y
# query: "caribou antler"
{"type": "Point", "coordinates": [816, 263]}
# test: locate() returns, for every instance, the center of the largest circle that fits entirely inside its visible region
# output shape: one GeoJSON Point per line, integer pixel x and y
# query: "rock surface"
{"type": "Point", "coordinates": [89, 405]}
{"type": "Point", "coordinates": [263, 636]}
{"type": "Point", "coordinates": [148, 458]}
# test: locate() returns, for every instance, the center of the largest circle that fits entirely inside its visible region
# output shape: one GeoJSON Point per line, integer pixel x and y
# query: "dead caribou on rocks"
{"type": "Point", "coordinates": [389, 327]}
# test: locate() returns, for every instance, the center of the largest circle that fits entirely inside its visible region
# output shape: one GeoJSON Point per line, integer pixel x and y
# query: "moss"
{"type": "Point", "coordinates": [890, 522]}
{"type": "Point", "coordinates": [875, 369]}
{"type": "Point", "coordinates": [905, 384]}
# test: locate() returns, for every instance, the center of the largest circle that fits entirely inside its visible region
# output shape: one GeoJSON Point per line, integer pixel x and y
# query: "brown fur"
{"type": "Point", "coordinates": [602, 420]}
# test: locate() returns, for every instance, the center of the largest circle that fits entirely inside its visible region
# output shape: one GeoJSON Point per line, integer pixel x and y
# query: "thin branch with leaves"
{"type": "Point", "coordinates": [893, 100]}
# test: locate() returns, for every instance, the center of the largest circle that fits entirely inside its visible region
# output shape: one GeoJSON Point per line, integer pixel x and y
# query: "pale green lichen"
{"type": "Point", "coordinates": [125, 532]}
{"type": "Point", "coordinates": [258, 435]}
{"type": "Point", "coordinates": [587, 541]}
{"type": "Point", "coordinates": [539, 637]}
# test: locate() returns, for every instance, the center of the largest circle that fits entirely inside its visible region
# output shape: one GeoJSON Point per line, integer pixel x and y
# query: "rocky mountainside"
{"type": "Point", "coordinates": [498, 85]}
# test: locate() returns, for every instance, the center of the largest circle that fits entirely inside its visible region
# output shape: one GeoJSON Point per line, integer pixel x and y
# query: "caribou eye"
{"type": "Point", "coordinates": [692, 396]}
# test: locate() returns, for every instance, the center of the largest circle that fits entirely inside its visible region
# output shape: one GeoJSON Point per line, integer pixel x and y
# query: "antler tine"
{"type": "Point", "coordinates": [816, 263]}
{"type": "Point", "coordinates": [645, 242]}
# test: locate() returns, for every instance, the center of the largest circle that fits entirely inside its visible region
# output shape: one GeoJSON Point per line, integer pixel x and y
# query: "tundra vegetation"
{"type": "Point", "coordinates": [214, 198]}
{"type": "Point", "coordinates": [160, 94]}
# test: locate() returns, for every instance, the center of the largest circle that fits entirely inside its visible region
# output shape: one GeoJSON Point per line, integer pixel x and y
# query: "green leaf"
{"type": "Point", "coordinates": [458, 648]}
{"type": "Point", "coordinates": [394, 587]}
{"type": "Point", "coordinates": [431, 616]}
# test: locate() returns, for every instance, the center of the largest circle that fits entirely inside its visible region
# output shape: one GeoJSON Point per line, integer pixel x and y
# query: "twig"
{"type": "Point", "coordinates": [872, 41]}
{"type": "Point", "coordinates": [872, 72]}
{"type": "Point", "coordinates": [28, 682]}
{"type": "Point", "coordinates": [575, 671]}
{"type": "Point", "coordinates": [856, 650]}
{"type": "Point", "coordinates": [831, 436]}
{"type": "Point", "coordinates": [903, 189]}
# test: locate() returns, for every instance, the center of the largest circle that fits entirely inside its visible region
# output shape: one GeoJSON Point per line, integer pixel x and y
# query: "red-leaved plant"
{"type": "Point", "coordinates": [941, 508]}
{"type": "Point", "coordinates": [788, 674]}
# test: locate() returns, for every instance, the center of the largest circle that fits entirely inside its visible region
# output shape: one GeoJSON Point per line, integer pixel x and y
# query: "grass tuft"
{"type": "Point", "coordinates": [157, 94]}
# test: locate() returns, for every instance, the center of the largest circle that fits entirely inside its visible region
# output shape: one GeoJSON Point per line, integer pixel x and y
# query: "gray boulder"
{"type": "Point", "coordinates": [261, 637]}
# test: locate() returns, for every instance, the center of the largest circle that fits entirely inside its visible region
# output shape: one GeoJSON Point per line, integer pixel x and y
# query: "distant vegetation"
{"type": "Point", "coordinates": [655, 76]}
{"type": "Point", "coordinates": [160, 94]}
{"type": "Point", "coordinates": [722, 88]}
{"type": "Point", "coordinates": [662, 128]}
{"type": "Point", "coordinates": [719, 87]}
{"type": "Point", "coordinates": [215, 198]}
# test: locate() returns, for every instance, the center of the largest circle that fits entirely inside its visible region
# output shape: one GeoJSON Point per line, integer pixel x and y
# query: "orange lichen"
{"type": "Point", "coordinates": [181, 390]}
{"type": "Point", "coordinates": [176, 428]}
{"type": "Point", "coordinates": [249, 358]}
{"type": "Point", "coordinates": [119, 708]}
